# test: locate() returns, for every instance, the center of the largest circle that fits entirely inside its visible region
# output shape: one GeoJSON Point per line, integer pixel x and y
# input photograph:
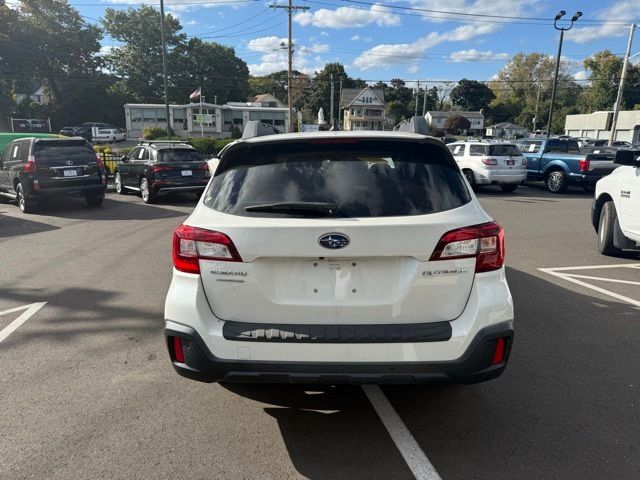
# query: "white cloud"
{"type": "Point", "coordinates": [475, 55]}
{"type": "Point", "coordinates": [355, 38]}
{"type": "Point", "coordinates": [359, 38]}
{"type": "Point", "coordinates": [274, 55]}
{"type": "Point", "coordinates": [393, 54]}
{"type": "Point", "coordinates": [413, 69]}
{"type": "Point", "coordinates": [324, 34]}
{"type": "Point", "coordinates": [105, 50]}
{"type": "Point", "coordinates": [620, 10]}
{"type": "Point", "coordinates": [344, 17]}
{"type": "Point", "coordinates": [581, 75]}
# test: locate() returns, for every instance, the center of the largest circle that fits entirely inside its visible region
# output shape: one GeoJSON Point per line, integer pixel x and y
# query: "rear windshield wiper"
{"type": "Point", "coordinates": [319, 209]}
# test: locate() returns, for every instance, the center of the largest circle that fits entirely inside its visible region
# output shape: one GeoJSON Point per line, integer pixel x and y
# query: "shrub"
{"type": "Point", "coordinates": [236, 132]}
{"type": "Point", "coordinates": [206, 146]}
{"type": "Point", "coordinates": [153, 133]}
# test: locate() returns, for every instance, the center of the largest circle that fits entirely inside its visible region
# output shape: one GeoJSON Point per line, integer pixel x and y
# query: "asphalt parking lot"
{"type": "Point", "coordinates": [87, 390]}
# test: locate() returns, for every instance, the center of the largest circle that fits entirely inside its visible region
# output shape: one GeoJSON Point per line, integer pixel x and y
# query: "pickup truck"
{"type": "Point", "coordinates": [560, 163]}
{"type": "Point", "coordinates": [615, 213]}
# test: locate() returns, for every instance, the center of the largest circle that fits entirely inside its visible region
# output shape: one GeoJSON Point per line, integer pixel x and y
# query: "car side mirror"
{"type": "Point", "coordinates": [627, 157]}
{"type": "Point", "coordinates": [124, 159]}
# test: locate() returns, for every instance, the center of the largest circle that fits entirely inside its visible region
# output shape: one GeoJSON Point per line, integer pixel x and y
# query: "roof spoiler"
{"type": "Point", "coordinates": [627, 157]}
{"type": "Point", "coordinates": [413, 125]}
{"type": "Point", "coordinates": [162, 142]}
{"type": "Point", "coordinates": [255, 128]}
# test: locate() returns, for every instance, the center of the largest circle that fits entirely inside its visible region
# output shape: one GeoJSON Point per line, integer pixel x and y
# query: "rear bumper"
{"type": "Point", "coordinates": [164, 187]}
{"type": "Point", "coordinates": [472, 367]}
{"type": "Point", "coordinates": [94, 189]}
{"type": "Point", "coordinates": [587, 178]}
{"type": "Point", "coordinates": [489, 177]}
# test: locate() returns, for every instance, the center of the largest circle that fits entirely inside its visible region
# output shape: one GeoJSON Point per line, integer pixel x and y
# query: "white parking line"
{"type": "Point", "coordinates": [30, 310]}
{"type": "Point", "coordinates": [416, 459]}
{"type": "Point", "coordinates": [575, 278]}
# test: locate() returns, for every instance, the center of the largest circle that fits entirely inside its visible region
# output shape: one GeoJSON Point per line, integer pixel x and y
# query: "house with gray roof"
{"type": "Point", "coordinates": [362, 108]}
{"type": "Point", "coordinates": [435, 120]}
{"type": "Point", "coordinates": [505, 130]}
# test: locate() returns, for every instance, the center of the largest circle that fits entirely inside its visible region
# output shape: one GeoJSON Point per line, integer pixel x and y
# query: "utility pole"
{"type": "Point", "coordinates": [164, 68]}
{"type": "Point", "coordinates": [574, 19]}
{"type": "Point", "coordinates": [424, 102]}
{"type": "Point", "coordinates": [535, 118]}
{"type": "Point", "coordinates": [331, 102]}
{"type": "Point", "coordinates": [290, 8]}
{"type": "Point", "coordinates": [339, 109]}
{"type": "Point", "coordinates": [417, 97]}
{"type": "Point", "coordinates": [616, 106]}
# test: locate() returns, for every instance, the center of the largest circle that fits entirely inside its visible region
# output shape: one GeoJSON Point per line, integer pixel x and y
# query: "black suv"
{"type": "Point", "coordinates": [32, 169]}
{"type": "Point", "coordinates": [156, 168]}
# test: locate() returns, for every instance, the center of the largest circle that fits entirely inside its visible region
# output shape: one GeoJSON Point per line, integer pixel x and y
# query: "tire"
{"type": "Point", "coordinates": [509, 187]}
{"type": "Point", "coordinates": [147, 194]}
{"type": "Point", "coordinates": [94, 200]}
{"type": "Point", "coordinates": [24, 204]}
{"type": "Point", "coordinates": [120, 188]}
{"type": "Point", "coordinates": [557, 181]}
{"type": "Point", "coordinates": [606, 228]}
{"type": "Point", "coordinates": [468, 174]}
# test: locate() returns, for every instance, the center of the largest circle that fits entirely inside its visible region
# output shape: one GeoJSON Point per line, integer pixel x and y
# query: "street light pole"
{"type": "Point", "coordinates": [575, 18]}
{"type": "Point", "coordinates": [616, 106]}
{"type": "Point", "coordinates": [164, 68]}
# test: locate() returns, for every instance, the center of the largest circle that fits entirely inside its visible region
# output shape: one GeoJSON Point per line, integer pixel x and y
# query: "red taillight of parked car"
{"type": "Point", "coordinates": [498, 354]}
{"type": "Point", "coordinates": [485, 242]}
{"type": "Point", "coordinates": [190, 245]}
{"type": "Point", "coordinates": [584, 165]}
{"type": "Point", "coordinates": [30, 166]}
{"type": "Point", "coordinates": [175, 348]}
{"type": "Point", "coordinates": [160, 168]}
{"type": "Point", "coordinates": [490, 161]}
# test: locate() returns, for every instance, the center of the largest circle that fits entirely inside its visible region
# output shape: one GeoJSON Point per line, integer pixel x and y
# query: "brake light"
{"type": "Point", "coordinates": [584, 165]}
{"type": "Point", "coordinates": [190, 245]}
{"type": "Point", "coordinates": [490, 161]}
{"type": "Point", "coordinates": [160, 168]}
{"type": "Point", "coordinates": [524, 161]}
{"type": "Point", "coordinates": [30, 166]}
{"type": "Point", "coordinates": [485, 242]}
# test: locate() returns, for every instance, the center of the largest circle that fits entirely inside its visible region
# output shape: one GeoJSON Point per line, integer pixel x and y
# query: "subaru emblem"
{"type": "Point", "coordinates": [334, 241]}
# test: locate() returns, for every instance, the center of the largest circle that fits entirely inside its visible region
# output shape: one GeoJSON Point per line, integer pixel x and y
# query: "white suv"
{"type": "Point", "coordinates": [616, 208]}
{"type": "Point", "coordinates": [487, 163]}
{"type": "Point", "coordinates": [339, 257]}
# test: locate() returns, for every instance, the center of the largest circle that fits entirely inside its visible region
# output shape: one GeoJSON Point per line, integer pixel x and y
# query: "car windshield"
{"type": "Point", "coordinates": [504, 151]}
{"type": "Point", "coordinates": [56, 151]}
{"type": "Point", "coordinates": [358, 180]}
{"type": "Point", "coordinates": [178, 155]}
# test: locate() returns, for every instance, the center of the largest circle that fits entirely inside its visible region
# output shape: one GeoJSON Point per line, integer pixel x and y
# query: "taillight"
{"type": "Point", "coordinates": [524, 161]}
{"type": "Point", "coordinates": [160, 168]}
{"type": "Point", "coordinates": [30, 166]}
{"type": "Point", "coordinates": [584, 165]}
{"type": "Point", "coordinates": [190, 245]}
{"type": "Point", "coordinates": [485, 242]}
{"type": "Point", "coordinates": [490, 161]}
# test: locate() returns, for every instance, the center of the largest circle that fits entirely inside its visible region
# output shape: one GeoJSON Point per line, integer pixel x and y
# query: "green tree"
{"type": "Point", "coordinates": [456, 123]}
{"type": "Point", "coordinates": [213, 66]}
{"type": "Point", "coordinates": [138, 62]}
{"type": "Point", "coordinates": [471, 95]}
{"type": "Point", "coordinates": [319, 95]}
{"type": "Point", "coordinates": [604, 70]}
{"type": "Point", "coordinates": [516, 89]}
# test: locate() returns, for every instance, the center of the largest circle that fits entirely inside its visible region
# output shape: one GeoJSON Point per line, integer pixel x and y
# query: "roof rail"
{"type": "Point", "coordinates": [143, 141]}
{"type": "Point", "coordinates": [413, 125]}
{"type": "Point", "coordinates": [254, 128]}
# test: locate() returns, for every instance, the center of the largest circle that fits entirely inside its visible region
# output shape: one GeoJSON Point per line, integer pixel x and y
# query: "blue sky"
{"type": "Point", "coordinates": [409, 39]}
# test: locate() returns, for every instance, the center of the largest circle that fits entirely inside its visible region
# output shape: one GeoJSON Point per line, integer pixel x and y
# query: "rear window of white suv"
{"type": "Point", "coordinates": [359, 179]}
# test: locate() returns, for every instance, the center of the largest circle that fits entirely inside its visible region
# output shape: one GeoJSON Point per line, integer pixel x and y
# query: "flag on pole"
{"type": "Point", "coordinates": [196, 94]}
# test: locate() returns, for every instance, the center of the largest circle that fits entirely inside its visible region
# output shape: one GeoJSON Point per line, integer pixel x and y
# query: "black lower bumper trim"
{"type": "Point", "coordinates": [476, 365]}
{"type": "Point", "coordinates": [295, 333]}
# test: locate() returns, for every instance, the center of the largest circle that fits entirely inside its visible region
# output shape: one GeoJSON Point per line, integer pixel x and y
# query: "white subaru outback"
{"type": "Point", "coordinates": [339, 257]}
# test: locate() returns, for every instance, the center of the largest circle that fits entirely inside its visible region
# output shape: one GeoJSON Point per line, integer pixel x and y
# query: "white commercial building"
{"type": "Point", "coordinates": [218, 121]}
{"type": "Point", "coordinates": [598, 125]}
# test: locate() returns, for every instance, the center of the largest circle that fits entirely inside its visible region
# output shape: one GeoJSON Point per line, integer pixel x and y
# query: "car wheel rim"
{"type": "Point", "coordinates": [144, 190]}
{"type": "Point", "coordinates": [555, 182]}
{"type": "Point", "coordinates": [118, 184]}
{"type": "Point", "coordinates": [469, 177]}
{"type": "Point", "coordinates": [20, 201]}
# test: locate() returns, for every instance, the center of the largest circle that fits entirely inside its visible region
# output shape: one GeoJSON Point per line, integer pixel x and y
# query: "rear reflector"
{"type": "Point", "coordinates": [190, 245]}
{"type": "Point", "coordinates": [498, 355]}
{"type": "Point", "coordinates": [484, 241]}
{"type": "Point", "coordinates": [178, 354]}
